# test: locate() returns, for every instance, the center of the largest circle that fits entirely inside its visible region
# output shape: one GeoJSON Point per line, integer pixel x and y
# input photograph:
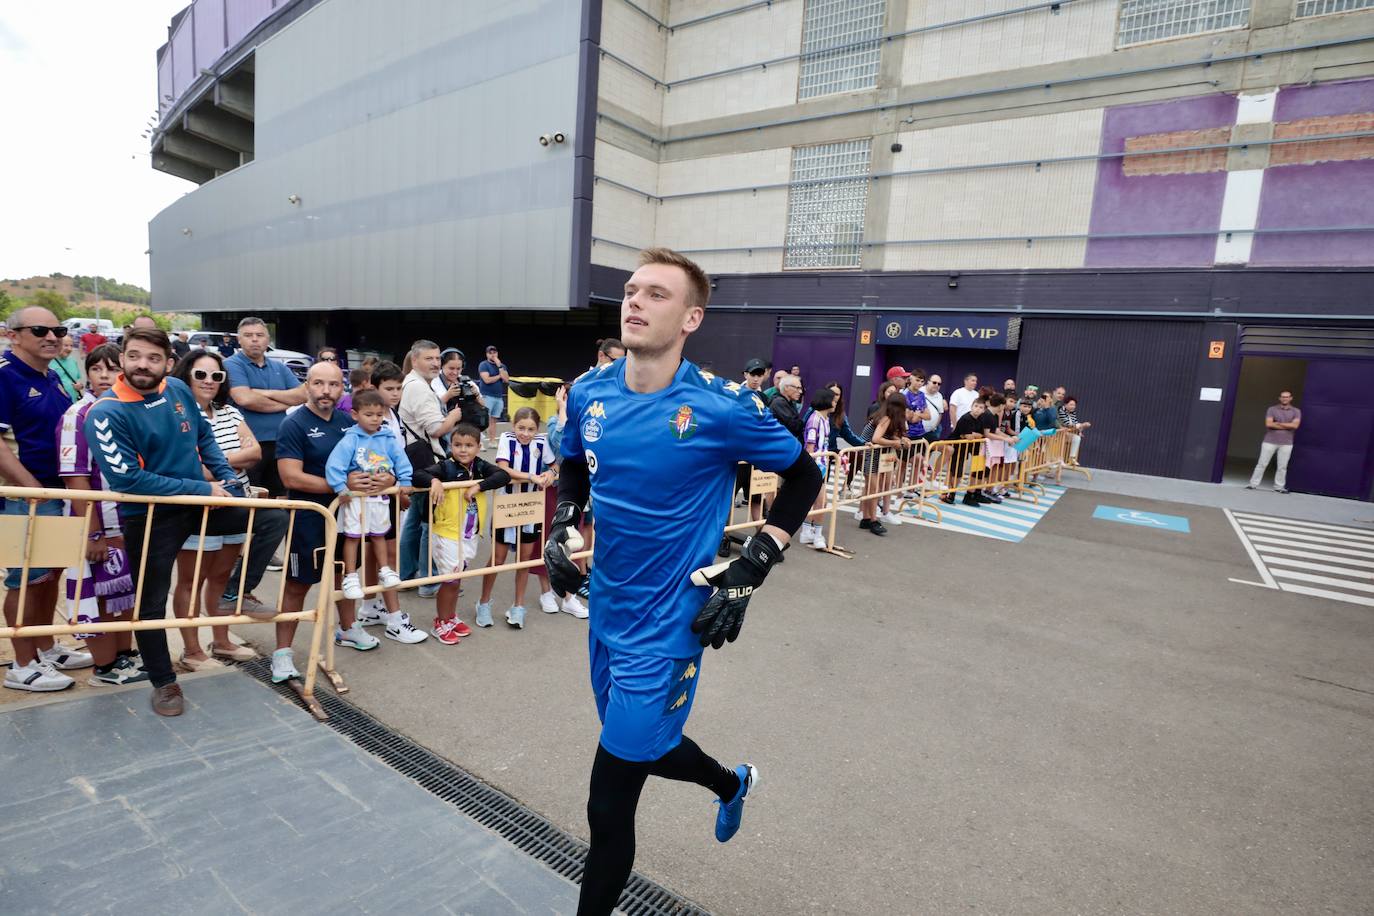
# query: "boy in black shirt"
{"type": "Point", "coordinates": [970, 426]}
{"type": "Point", "coordinates": [458, 520]}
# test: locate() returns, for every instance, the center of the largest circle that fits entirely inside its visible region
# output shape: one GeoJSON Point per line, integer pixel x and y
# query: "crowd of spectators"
{"type": "Point", "coordinates": [155, 416]}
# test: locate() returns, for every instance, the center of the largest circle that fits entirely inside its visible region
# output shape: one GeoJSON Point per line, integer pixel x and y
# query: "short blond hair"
{"type": "Point", "coordinates": [699, 285]}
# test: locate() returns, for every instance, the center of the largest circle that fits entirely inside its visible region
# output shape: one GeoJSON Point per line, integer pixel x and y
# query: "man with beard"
{"type": "Point", "coordinates": [305, 441]}
{"type": "Point", "coordinates": [154, 441]}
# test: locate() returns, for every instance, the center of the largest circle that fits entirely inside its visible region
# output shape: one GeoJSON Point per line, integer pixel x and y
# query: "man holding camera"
{"type": "Point", "coordinates": [425, 425]}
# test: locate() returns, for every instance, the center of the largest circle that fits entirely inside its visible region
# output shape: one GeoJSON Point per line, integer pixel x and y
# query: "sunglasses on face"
{"type": "Point", "coordinates": [214, 375]}
{"type": "Point", "coordinates": [329, 359]}
{"type": "Point", "coordinates": [43, 330]}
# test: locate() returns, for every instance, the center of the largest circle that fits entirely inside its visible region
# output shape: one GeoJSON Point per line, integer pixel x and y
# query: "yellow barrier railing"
{"type": "Point", "coordinates": [59, 543]}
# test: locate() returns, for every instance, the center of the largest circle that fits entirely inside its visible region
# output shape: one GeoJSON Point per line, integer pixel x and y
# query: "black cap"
{"type": "Point", "coordinates": [754, 365]}
{"type": "Point", "coordinates": [489, 348]}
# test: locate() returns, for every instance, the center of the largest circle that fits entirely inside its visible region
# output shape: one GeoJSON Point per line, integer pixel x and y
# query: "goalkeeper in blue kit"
{"type": "Point", "coordinates": [655, 442]}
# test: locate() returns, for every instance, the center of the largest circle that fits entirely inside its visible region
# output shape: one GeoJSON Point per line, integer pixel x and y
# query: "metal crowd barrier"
{"type": "Point", "coordinates": [59, 543]}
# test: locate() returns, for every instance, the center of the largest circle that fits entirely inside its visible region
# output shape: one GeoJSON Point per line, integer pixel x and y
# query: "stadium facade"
{"type": "Point", "coordinates": [1165, 205]}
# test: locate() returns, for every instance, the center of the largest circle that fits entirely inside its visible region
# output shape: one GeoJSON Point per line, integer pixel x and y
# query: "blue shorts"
{"type": "Point", "coordinates": [643, 700]}
{"type": "Point", "coordinates": [21, 507]}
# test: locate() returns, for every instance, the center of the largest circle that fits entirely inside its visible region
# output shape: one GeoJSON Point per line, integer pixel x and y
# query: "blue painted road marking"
{"type": "Point", "coordinates": [1143, 519]}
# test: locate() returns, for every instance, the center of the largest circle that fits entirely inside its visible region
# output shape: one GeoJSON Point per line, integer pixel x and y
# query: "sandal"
{"type": "Point", "coordinates": [233, 653]}
{"type": "Point", "coordinates": [196, 664]}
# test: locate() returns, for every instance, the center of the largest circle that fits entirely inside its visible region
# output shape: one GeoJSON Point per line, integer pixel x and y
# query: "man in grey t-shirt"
{"type": "Point", "coordinates": [1280, 421]}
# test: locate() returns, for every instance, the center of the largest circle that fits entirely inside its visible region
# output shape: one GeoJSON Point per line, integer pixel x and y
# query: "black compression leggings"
{"type": "Point", "coordinates": [611, 804]}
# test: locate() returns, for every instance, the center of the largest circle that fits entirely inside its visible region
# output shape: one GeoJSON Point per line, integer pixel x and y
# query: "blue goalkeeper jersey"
{"type": "Point", "coordinates": [662, 470]}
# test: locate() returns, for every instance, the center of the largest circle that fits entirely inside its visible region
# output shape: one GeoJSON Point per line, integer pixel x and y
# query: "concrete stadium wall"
{"type": "Point", "coordinates": [409, 133]}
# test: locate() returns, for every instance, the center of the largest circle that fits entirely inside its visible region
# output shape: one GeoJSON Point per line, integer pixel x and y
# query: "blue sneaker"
{"type": "Point", "coordinates": [427, 591]}
{"type": "Point", "coordinates": [484, 614]}
{"type": "Point", "coordinates": [515, 616]}
{"type": "Point", "coordinates": [732, 812]}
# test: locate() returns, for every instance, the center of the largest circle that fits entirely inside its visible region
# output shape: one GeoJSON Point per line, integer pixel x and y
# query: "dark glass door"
{"type": "Point", "coordinates": [1332, 450]}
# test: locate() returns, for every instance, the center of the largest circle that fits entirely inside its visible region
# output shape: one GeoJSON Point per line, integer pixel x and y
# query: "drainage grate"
{"type": "Point", "coordinates": [518, 825]}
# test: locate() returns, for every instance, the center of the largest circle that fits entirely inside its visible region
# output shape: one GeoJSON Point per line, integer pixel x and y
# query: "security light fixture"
{"type": "Point", "coordinates": [953, 281]}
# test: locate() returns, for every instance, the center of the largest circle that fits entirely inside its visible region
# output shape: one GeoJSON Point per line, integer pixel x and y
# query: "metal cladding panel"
{"type": "Point", "coordinates": [209, 27]}
{"type": "Point", "coordinates": [183, 55]}
{"type": "Point", "coordinates": [728, 340]}
{"type": "Point", "coordinates": [397, 166]}
{"type": "Point", "coordinates": [1135, 382]}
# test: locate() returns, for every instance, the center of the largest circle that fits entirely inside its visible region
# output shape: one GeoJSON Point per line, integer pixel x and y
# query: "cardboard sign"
{"type": "Point", "coordinates": [56, 540]}
{"type": "Point", "coordinates": [865, 338]}
{"type": "Point", "coordinates": [511, 509]}
{"type": "Point", "coordinates": [762, 483]}
{"type": "Point", "coordinates": [887, 462]}
{"type": "Point", "coordinates": [1216, 349]}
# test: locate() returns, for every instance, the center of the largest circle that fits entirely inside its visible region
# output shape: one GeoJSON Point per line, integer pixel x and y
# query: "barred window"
{"type": "Point", "coordinates": [826, 204]}
{"type": "Point", "coordinates": [840, 46]}
{"type": "Point", "coordinates": [1151, 20]}
{"type": "Point", "coordinates": [1322, 7]}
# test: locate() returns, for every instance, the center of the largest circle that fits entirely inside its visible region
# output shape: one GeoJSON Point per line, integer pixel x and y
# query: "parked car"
{"type": "Point", "coordinates": [299, 363]}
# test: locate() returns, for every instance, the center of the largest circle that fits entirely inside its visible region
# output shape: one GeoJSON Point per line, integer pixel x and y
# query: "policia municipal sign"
{"type": "Point", "coordinates": [950, 329]}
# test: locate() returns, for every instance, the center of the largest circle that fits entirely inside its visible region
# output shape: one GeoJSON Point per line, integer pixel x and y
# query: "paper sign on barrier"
{"type": "Point", "coordinates": [762, 483]}
{"type": "Point", "coordinates": [56, 541]}
{"type": "Point", "coordinates": [511, 509]}
{"type": "Point", "coordinates": [887, 462]}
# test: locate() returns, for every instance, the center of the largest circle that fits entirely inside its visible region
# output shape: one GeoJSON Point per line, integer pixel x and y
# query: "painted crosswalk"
{"type": "Point", "coordinates": [1011, 521]}
{"type": "Point", "coordinates": [1309, 558]}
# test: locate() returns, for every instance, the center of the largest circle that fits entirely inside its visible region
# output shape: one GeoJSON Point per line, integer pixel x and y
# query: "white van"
{"type": "Point", "coordinates": [103, 325]}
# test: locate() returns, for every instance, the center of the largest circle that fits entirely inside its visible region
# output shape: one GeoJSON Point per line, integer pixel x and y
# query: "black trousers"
{"type": "Point", "coordinates": [172, 525]}
{"type": "Point", "coordinates": [269, 529]}
{"type": "Point", "coordinates": [264, 473]}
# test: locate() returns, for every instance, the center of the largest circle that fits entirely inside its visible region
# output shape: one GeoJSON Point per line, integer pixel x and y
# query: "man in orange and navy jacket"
{"type": "Point", "coordinates": [150, 438]}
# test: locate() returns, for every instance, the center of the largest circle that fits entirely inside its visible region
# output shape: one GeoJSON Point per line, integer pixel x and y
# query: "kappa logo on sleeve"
{"type": "Point", "coordinates": [597, 409]}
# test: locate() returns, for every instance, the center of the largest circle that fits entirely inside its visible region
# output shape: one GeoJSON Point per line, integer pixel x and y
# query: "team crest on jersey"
{"type": "Point", "coordinates": [597, 410]}
{"type": "Point", "coordinates": [591, 430]}
{"type": "Point", "coordinates": [179, 408]}
{"type": "Point", "coordinates": [684, 423]}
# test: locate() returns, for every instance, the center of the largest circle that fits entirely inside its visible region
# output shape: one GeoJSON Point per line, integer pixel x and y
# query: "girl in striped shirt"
{"type": "Point", "coordinates": [527, 457]}
{"type": "Point", "coordinates": [105, 582]}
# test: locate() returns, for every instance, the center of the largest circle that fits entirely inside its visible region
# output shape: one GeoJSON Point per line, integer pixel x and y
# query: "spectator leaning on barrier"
{"type": "Point", "coordinates": [154, 441]}
{"type": "Point", "coordinates": [1068, 420]}
{"type": "Point", "coordinates": [494, 376]}
{"type": "Point", "coordinates": [32, 402]}
{"type": "Point", "coordinates": [1280, 423]}
{"type": "Point", "coordinates": [787, 405]}
{"type": "Point", "coordinates": [425, 426]}
{"type": "Point", "coordinates": [969, 428]}
{"type": "Point", "coordinates": [1009, 391]}
{"type": "Point", "coordinates": [936, 402]}
{"type": "Point", "coordinates": [204, 374]}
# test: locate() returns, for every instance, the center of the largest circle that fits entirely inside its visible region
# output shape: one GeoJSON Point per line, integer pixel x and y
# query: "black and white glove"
{"type": "Point", "coordinates": [719, 621]}
{"type": "Point", "coordinates": [564, 540]}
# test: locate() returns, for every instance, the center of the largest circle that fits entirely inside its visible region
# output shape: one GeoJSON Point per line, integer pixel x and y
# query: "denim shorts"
{"type": "Point", "coordinates": [51, 507]}
{"type": "Point", "coordinates": [214, 541]}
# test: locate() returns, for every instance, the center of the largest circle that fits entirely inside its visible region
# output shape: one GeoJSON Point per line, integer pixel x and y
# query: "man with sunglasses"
{"type": "Point", "coordinates": [32, 402]}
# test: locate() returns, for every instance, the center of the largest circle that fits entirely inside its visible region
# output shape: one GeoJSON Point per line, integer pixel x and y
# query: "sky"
{"type": "Point", "coordinates": [78, 82]}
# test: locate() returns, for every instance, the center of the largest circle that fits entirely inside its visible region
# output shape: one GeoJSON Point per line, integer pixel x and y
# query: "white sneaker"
{"type": "Point", "coordinates": [388, 577]}
{"type": "Point", "coordinates": [890, 519]}
{"type": "Point", "coordinates": [818, 537]}
{"type": "Point", "coordinates": [571, 605]}
{"type": "Point", "coordinates": [65, 658]}
{"type": "Point", "coordinates": [548, 603]}
{"type": "Point", "coordinates": [352, 588]}
{"type": "Point", "coordinates": [371, 614]}
{"type": "Point", "coordinates": [283, 666]}
{"type": "Point", "coordinates": [355, 637]}
{"type": "Point", "coordinates": [37, 676]}
{"type": "Point", "coordinates": [398, 627]}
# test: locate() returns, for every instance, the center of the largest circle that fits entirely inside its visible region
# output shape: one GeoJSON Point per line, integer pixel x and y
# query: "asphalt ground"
{"type": "Point", "coordinates": [1092, 720]}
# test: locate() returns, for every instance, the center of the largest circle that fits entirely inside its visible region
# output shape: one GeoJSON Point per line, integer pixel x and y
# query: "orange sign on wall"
{"type": "Point", "coordinates": [865, 337]}
{"type": "Point", "coordinates": [1216, 349]}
